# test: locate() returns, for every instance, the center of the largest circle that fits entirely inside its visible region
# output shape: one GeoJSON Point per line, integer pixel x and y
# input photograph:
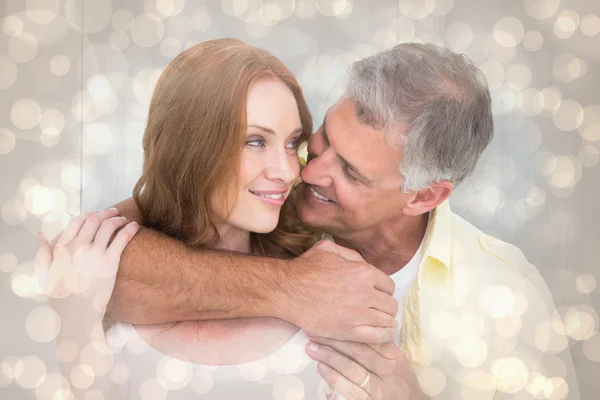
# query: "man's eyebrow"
{"type": "Point", "coordinates": [345, 162]}
{"type": "Point", "coordinates": [324, 131]}
{"type": "Point", "coordinates": [270, 131]}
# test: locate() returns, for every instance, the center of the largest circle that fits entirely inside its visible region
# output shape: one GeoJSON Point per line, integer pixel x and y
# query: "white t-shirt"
{"type": "Point", "coordinates": [404, 279]}
{"type": "Point", "coordinates": [142, 372]}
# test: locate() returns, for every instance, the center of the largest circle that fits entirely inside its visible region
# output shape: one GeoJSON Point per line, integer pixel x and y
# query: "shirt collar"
{"type": "Point", "coordinates": [437, 248]}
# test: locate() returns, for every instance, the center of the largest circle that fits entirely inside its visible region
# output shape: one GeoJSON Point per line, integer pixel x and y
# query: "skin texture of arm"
{"type": "Point", "coordinates": [328, 291]}
{"type": "Point", "coordinates": [162, 280]}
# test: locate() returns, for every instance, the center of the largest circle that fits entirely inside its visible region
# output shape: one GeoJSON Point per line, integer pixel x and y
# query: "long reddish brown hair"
{"type": "Point", "coordinates": [193, 142]}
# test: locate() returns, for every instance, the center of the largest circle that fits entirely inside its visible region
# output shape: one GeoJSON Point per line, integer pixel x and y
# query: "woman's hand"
{"type": "Point", "coordinates": [85, 259]}
{"type": "Point", "coordinates": [78, 274]}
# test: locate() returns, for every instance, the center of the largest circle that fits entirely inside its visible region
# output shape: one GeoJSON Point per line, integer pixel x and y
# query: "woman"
{"type": "Point", "coordinates": [220, 165]}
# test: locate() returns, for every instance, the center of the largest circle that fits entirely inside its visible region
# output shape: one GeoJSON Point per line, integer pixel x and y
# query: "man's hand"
{"type": "Point", "coordinates": [332, 292]}
{"type": "Point", "coordinates": [357, 371]}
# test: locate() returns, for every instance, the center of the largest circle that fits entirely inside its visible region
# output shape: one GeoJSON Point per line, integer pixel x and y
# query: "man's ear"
{"type": "Point", "coordinates": [429, 198]}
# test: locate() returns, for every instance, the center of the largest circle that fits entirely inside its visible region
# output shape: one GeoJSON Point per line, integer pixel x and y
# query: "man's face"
{"type": "Point", "coordinates": [352, 178]}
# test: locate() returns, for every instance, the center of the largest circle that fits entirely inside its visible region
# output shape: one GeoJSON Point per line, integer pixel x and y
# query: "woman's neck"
{"type": "Point", "coordinates": [233, 239]}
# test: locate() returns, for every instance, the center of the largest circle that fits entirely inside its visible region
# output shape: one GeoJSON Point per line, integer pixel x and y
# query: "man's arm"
{"type": "Point", "coordinates": [329, 291]}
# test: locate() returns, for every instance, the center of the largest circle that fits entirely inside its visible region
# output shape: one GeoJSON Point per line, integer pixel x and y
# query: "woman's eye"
{"type": "Point", "coordinates": [256, 143]}
{"type": "Point", "coordinates": [293, 144]}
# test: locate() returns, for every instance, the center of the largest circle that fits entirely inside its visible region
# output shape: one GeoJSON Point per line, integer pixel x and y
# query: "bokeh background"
{"type": "Point", "coordinates": [76, 77]}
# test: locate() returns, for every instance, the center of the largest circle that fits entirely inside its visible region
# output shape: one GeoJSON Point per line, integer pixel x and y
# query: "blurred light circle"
{"type": "Point", "coordinates": [9, 72]}
{"type": "Point", "coordinates": [270, 14]}
{"type": "Point", "coordinates": [459, 36]}
{"type": "Point", "coordinates": [12, 25]}
{"type": "Point", "coordinates": [55, 386]}
{"type": "Point", "coordinates": [591, 348]}
{"type": "Point", "coordinates": [95, 15]}
{"type": "Point", "coordinates": [494, 73]}
{"type": "Point", "coordinates": [589, 156]}
{"type": "Point", "coordinates": [566, 24]}
{"type": "Point", "coordinates": [8, 262]}
{"type": "Point", "coordinates": [25, 114]}
{"type": "Point", "coordinates": [201, 21]}
{"type": "Point", "coordinates": [560, 67]}
{"type": "Point", "coordinates": [147, 30]}
{"type": "Point", "coordinates": [335, 8]}
{"type": "Point", "coordinates": [60, 65]}
{"type": "Point", "coordinates": [508, 99]}
{"type": "Point", "coordinates": [591, 133]}
{"type": "Point", "coordinates": [23, 47]}
{"type": "Point", "coordinates": [42, 11]}
{"type": "Point", "coordinates": [50, 137]}
{"type": "Point", "coordinates": [52, 118]}
{"type": "Point", "coordinates": [7, 141]}
{"type": "Point", "coordinates": [170, 47]}
{"type": "Point", "coordinates": [541, 9]}
{"type": "Point", "coordinates": [439, 7]}
{"type": "Point", "coordinates": [518, 75]}
{"type": "Point", "coordinates": [42, 324]}
{"type": "Point", "coordinates": [30, 372]}
{"type": "Point", "coordinates": [14, 212]}
{"type": "Point", "coordinates": [286, 8]}
{"type": "Point", "coordinates": [170, 8]}
{"type": "Point", "coordinates": [533, 40]}
{"type": "Point", "coordinates": [552, 98]}
{"type": "Point", "coordinates": [152, 389]}
{"type": "Point", "coordinates": [119, 40]}
{"type": "Point", "coordinates": [496, 52]}
{"type": "Point", "coordinates": [569, 115]}
{"type": "Point", "coordinates": [415, 9]}
{"type": "Point", "coordinates": [533, 102]}
{"type": "Point", "coordinates": [122, 19]}
{"type": "Point", "coordinates": [590, 25]}
{"type": "Point", "coordinates": [586, 283]}
{"type": "Point", "coordinates": [508, 32]}
{"type": "Point", "coordinates": [306, 10]}
{"type": "Point", "coordinates": [144, 82]}
{"type": "Point", "coordinates": [39, 199]}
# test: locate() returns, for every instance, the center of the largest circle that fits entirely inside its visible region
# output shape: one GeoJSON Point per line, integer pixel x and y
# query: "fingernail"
{"type": "Point", "coordinates": [313, 348]}
{"type": "Point", "coordinates": [113, 209]}
{"type": "Point", "coordinates": [134, 224]}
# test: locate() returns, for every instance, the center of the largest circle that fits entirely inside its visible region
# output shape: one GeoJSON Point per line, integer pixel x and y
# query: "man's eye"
{"type": "Point", "coordinates": [349, 175]}
{"type": "Point", "coordinates": [256, 143]}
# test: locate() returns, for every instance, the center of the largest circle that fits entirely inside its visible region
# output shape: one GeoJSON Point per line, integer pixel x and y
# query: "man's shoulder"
{"type": "Point", "coordinates": [485, 248]}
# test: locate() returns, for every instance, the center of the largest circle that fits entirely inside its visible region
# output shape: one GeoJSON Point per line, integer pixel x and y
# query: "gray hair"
{"type": "Point", "coordinates": [441, 96]}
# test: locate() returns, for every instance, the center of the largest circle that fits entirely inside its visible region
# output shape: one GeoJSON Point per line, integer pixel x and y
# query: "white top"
{"type": "Point", "coordinates": [142, 372]}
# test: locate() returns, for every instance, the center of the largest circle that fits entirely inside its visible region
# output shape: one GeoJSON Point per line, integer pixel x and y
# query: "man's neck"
{"type": "Point", "coordinates": [388, 246]}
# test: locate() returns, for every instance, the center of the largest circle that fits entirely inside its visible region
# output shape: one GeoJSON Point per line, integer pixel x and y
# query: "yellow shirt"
{"type": "Point", "coordinates": [480, 323]}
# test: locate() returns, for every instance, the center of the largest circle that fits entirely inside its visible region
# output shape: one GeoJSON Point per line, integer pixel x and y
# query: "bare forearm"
{"type": "Point", "coordinates": [162, 280]}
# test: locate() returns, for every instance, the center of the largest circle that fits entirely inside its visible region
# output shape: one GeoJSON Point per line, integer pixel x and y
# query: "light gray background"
{"type": "Point", "coordinates": [70, 133]}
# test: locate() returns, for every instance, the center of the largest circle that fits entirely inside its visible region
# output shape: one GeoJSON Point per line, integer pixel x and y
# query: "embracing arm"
{"type": "Point", "coordinates": [160, 279]}
{"type": "Point", "coordinates": [328, 291]}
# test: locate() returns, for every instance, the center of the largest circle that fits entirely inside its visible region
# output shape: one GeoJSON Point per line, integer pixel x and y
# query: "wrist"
{"type": "Point", "coordinates": [280, 301]}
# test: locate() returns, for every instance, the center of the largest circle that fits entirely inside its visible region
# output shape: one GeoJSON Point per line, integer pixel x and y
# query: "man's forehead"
{"type": "Point", "coordinates": [363, 146]}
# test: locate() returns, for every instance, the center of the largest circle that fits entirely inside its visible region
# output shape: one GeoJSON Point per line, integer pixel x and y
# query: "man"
{"type": "Point", "coordinates": [477, 319]}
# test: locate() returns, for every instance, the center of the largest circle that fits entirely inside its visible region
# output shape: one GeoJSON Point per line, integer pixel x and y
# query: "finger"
{"type": "Point", "coordinates": [380, 319]}
{"type": "Point", "coordinates": [72, 230]}
{"type": "Point", "coordinates": [340, 383]}
{"type": "Point", "coordinates": [108, 228]}
{"type": "Point", "coordinates": [350, 369]}
{"type": "Point", "coordinates": [116, 248]}
{"type": "Point", "coordinates": [385, 303]}
{"type": "Point", "coordinates": [92, 223]}
{"type": "Point", "coordinates": [372, 334]}
{"type": "Point", "coordinates": [384, 283]}
{"type": "Point", "coordinates": [43, 256]}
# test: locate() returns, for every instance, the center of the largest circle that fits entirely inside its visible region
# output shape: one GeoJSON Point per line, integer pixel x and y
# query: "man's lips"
{"type": "Point", "coordinates": [319, 196]}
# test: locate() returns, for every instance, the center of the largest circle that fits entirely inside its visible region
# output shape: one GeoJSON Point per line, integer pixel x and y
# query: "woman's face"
{"type": "Point", "coordinates": [269, 165]}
